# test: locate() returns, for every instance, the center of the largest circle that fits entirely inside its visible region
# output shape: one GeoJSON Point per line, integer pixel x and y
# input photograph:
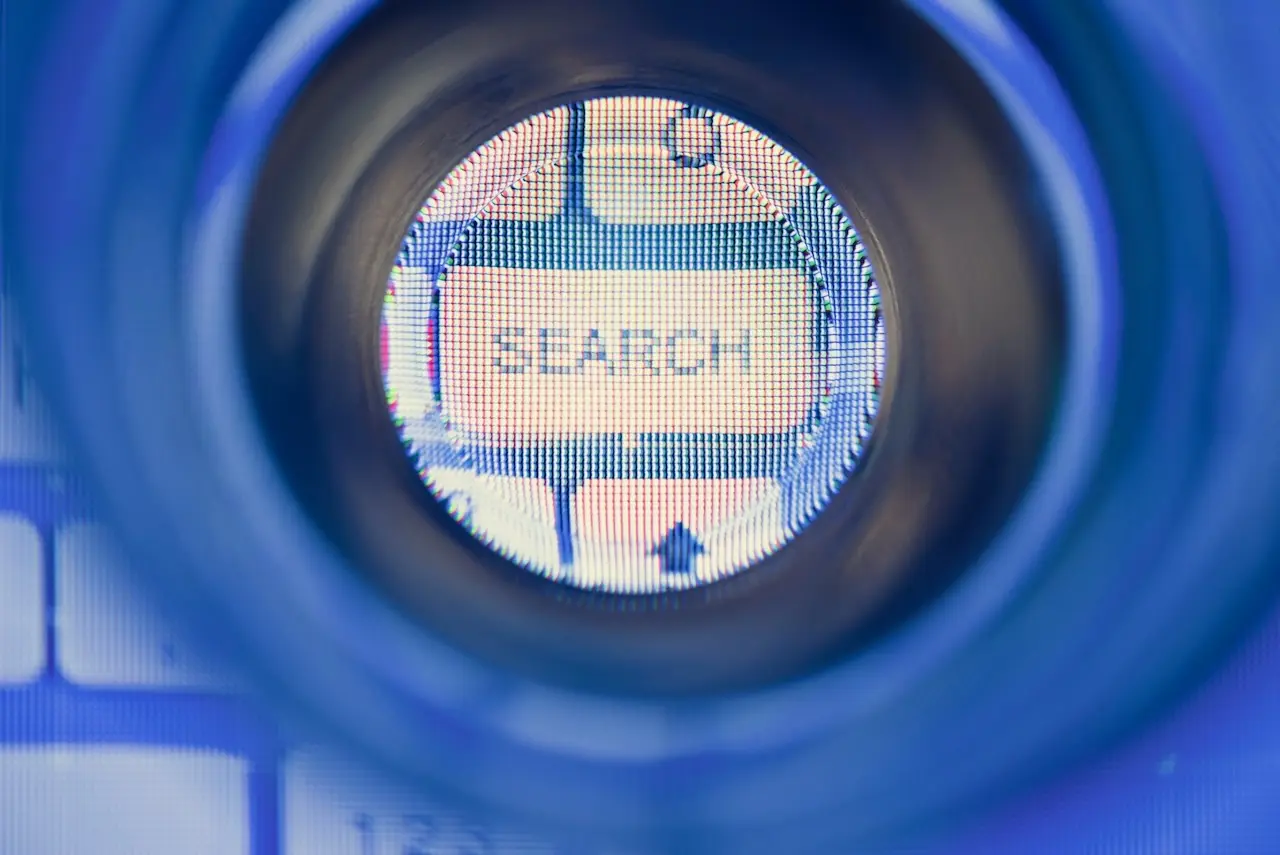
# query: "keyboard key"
{"type": "Point", "coordinates": [122, 801]}
{"type": "Point", "coordinates": [106, 633]}
{"type": "Point", "coordinates": [27, 432]}
{"type": "Point", "coordinates": [333, 807]}
{"type": "Point", "coordinates": [480, 180]}
{"type": "Point", "coordinates": [650, 160]}
{"type": "Point", "coordinates": [21, 601]}
{"type": "Point", "coordinates": [610, 517]}
{"type": "Point", "coordinates": [530, 357]}
{"type": "Point", "coordinates": [518, 513]}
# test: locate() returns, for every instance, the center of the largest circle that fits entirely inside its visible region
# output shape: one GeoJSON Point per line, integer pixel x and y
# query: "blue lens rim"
{"type": "Point", "coordinates": [532, 718]}
{"type": "Point", "coordinates": [392, 719]}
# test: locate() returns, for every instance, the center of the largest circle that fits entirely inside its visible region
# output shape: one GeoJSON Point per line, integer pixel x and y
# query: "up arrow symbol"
{"type": "Point", "coordinates": [677, 550]}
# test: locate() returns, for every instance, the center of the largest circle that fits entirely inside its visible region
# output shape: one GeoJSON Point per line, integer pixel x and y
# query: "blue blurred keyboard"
{"type": "Point", "coordinates": [115, 738]}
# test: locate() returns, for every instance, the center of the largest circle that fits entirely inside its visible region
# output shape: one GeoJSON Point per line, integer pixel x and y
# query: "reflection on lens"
{"type": "Point", "coordinates": [633, 345]}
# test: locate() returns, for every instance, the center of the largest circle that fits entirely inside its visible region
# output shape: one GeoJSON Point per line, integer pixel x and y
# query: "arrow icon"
{"type": "Point", "coordinates": [677, 550]}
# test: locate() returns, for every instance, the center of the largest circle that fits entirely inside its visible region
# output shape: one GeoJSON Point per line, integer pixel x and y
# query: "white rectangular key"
{"type": "Point", "coordinates": [122, 801]}
{"type": "Point", "coordinates": [22, 601]}
{"type": "Point", "coordinates": [106, 633]}
{"type": "Point", "coordinates": [333, 807]}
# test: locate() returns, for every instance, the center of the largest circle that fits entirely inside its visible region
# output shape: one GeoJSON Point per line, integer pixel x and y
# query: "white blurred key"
{"type": "Point", "coordinates": [108, 635]}
{"type": "Point", "coordinates": [121, 801]}
{"type": "Point", "coordinates": [619, 525]}
{"type": "Point", "coordinates": [27, 432]}
{"type": "Point", "coordinates": [642, 159]}
{"type": "Point", "coordinates": [522, 157]}
{"type": "Point", "coordinates": [518, 513]}
{"type": "Point", "coordinates": [332, 807]}
{"type": "Point", "coordinates": [21, 601]}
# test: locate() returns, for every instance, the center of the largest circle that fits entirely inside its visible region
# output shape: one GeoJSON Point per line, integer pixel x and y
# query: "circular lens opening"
{"type": "Point", "coordinates": [633, 345]}
{"type": "Point", "coordinates": [565, 525]}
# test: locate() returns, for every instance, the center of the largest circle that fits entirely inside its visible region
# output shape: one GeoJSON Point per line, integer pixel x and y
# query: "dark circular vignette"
{"type": "Point", "coordinates": [1195, 560]}
{"type": "Point", "coordinates": [963, 415]}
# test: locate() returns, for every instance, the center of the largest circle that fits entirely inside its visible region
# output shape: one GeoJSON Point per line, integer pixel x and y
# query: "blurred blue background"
{"type": "Point", "coordinates": [116, 738]}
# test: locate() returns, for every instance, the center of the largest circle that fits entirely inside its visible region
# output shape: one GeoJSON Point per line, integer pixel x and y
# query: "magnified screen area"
{"type": "Point", "coordinates": [633, 345]}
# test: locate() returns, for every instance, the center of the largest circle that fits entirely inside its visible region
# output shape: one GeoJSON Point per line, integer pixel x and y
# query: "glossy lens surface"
{"type": "Point", "coordinates": [633, 345]}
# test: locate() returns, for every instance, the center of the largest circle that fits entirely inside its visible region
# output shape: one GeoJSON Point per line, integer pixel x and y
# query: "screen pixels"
{"type": "Point", "coordinates": [633, 345]}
